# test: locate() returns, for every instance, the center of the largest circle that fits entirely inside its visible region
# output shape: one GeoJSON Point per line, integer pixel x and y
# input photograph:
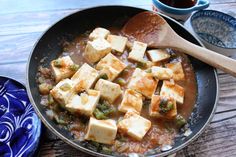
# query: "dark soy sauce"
{"type": "Point", "coordinates": [179, 3]}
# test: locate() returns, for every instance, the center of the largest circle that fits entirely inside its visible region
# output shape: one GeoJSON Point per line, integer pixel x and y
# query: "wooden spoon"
{"type": "Point", "coordinates": [152, 29]}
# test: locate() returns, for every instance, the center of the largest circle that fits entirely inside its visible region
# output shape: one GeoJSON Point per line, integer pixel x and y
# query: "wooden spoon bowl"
{"type": "Point", "coordinates": [151, 28]}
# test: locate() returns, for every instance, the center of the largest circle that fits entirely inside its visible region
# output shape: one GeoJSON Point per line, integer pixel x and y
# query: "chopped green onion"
{"type": "Point", "coordinates": [50, 99]}
{"type": "Point", "coordinates": [149, 71]}
{"type": "Point", "coordinates": [74, 67]}
{"type": "Point", "coordinates": [45, 88]}
{"type": "Point", "coordinates": [65, 87]}
{"type": "Point", "coordinates": [57, 63]}
{"type": "Point", "coordinates": [99, 115]}
{"type": "Point", "coordinates": [121, 81]}
{"type": "Point", "coordinates": [141, 65]}
{"type": "Point", "coordinates": [166, 106]}
{"type": "Point", "coordinates": [180, 121]}
{"type": "Point", "coordinates": [60, 119]}
{"type": "Point", "coordinates": [106, 150]}
{"type": "Point", "coordinates": [104, 76]}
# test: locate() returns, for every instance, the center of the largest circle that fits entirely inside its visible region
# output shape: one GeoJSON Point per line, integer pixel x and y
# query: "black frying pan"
{"type": "Point", "coordinates": [50, 46]}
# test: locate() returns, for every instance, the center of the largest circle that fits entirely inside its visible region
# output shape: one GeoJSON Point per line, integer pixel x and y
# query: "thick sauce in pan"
{"type": "Point", "coordinates": [161, 133]}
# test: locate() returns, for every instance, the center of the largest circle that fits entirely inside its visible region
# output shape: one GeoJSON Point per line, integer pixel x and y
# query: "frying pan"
{"type": "Point", "coordinates": [68, 28]}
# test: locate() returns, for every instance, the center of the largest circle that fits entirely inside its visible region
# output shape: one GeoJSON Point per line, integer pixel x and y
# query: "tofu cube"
{"type": "Point", "coordinates": [134, 125]}
{"type": "Point", "coordinates": [132, 100]}
{"type": "Point", "coordinates": [84, 78]}
{"type": "Point", "coordinates": [162, 107]}
{"type": "Point", "coordinates": [85, 103]}
{"type": "Point", "coordinates": [138, 51]}
{"type": "Point", "coordinates": [62, 68]}
{"type": "Point", "coordinates": [99, 33]}
{"type": "Point", "coordinates": [62, 91]}
{"type": "Point", "coordinates": [111, 66]}
{"type": "Point", "coordinates": [109, 91]}
{"type": "Point", "coordinates": [158, 55]}
{"type": "Point", "coordinates": [178, 72]}
{"type": "Point", "coordinates": [173, 90]}
{"type": "Point", "coordinates": [162, 73]}
{"type": "Point", "coordinates": [96, 49]}
{"type": "Point", "coordinates": [143, 83]}
{"type": "Point", "coordinates": [102, 131]}
{"type": "Point", "coordinates": [118, 43]}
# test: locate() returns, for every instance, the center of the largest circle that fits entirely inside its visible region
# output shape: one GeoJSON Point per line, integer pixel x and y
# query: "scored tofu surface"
{"type": "Point", "coordinates": [134, 125]}
{"type": "Point", "coordinates": [61, 68]}
{"type": "Point", "coordinates": [85, 103]}
{"type": "Point", "coordinates": [102, 131]}
{"type": "Point", "coordinates": [132, 100]}
{"type": "Point", "coordinates": [143, 83]}
{"type": "Point", "coordinates": [96, 49]}
{"type": "Point", "coordinates": [138, 51]}
{"type": "Point", "coordinates": [173, 90]}
{"type": "Point", "coordinates": [85, 77]}
{"type": "Point", "coordinates": [154, 108]}
{"type": "Point", "coordinates": [99, 33]}
{"type": "Point", "coordinates": [158, 55]}
{"type": "Point", "coordinates": [62, 91]}
{"type": "Point", "coordinates": [118, 43]}
{"type": "Point", "coordinates": [109, 91]}
{"type": "Point", "coordinates": [178, 72]}
{"type": "Point", "coordinates": [111, 66]}
{"type": "Point", "coordinates": [162, 73]}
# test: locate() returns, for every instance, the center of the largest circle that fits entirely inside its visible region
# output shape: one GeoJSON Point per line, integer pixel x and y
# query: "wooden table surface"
{"type": "Point", "coordinates": [23, 21]}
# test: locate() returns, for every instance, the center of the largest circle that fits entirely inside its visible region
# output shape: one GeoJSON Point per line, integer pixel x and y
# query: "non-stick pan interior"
{"type": "Point", "coordinates": [50, 46]}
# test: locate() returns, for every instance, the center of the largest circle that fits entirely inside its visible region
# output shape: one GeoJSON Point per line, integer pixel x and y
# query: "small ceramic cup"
{"type": "Point", "coordinates": [180, 14]}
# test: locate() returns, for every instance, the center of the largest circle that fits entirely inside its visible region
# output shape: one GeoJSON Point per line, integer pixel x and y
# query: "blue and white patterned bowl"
{"type": "Point", "coordinates": [216, 30]}
{"type": "Point", "coordinates": [20, 127]}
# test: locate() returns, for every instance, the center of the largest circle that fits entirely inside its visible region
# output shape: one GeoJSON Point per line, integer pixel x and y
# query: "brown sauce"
{"type": "Point", "coordinates": [162, 132]}
{"type": "Point", "coordinates": [179, 3]}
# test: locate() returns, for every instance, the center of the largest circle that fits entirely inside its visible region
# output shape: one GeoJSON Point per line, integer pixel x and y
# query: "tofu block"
{"type": "Point", "coordinates": [138, 51]}
{"type": "Point", "coordinates": [177, 71]}
{"type": "Point", "coordinates": [62, 91]}
{"type": "Point", "coordinates": [62, 68]}
{"type": "Point", "coordinates": [109, 91]}
{"type": "Point", "coordinates": [96, 49]}
{"type": "Point", "coordinates": [85, 103]}
{"type": "Point", "coordinates": [162, 107]}
{"type": "Point", "coordinates": [143, 83]}
{"type": "Point", "coordinates": [111, 66]}
{"type": "Point", "coordinates": [158, 55]}
{"type": "Point", "coordinates": [84, 78]}
{"type": "Point", "coordinates": [118, 43]}
{"type": "Point", "coordinates": [102, 131]}
{"type": "Point", "coordinates": [132, 100]}
{"type": "Point", "coordinates": [99, 33]}
{"type": "Point", "coordinates": [162, 73]}
{"type": "Point", "coordinates": [173, 90]}
{"type": "Point", "coordinates": [134, 125]}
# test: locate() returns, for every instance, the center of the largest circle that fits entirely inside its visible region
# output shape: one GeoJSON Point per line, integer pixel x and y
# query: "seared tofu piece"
{"type": "Point", "coordinates": [96, 49]}
{"type": "Point", "coordinates": [134, 125]}
{"type": "Point", "coordinates": [84, 78]}
{"type": "Point", "coordinates": [138, 51]}
{"type": "Point", "coordinates": [162, 73]}
{"type": "Point", "coordinates": [111, 66]}
{"type": "Point", "coordinates": [143, 83]}
{"type": "Point", "coordinates": [62, 91]}
{"type": "Point", "coordinates": [118, 43]}
{"type": "Point", "coordinates": [62, 68]}
{"type": "Point", "coordinates": [101, 131]}
{"type": "Point", "coordinates": [162, 107]}
{"type": "Point", "coordinates": [132, 100]}
{"type": "Point", "coordinates": [85, 103]}
{"type": "Point", "coordinates": [109, 91]}
{"type": "Point", "coordinates": [158, 55]}
{"type": "Point", "coordinates": [173, 90]}
{"type": "Point", "coordinates": [99, 33]}
{"type": "Point", "coordinates": [177, 71]}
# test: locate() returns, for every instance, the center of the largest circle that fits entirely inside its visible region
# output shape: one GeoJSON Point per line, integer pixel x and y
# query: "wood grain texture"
{"type": "Point", "coordinates": [22, 23]}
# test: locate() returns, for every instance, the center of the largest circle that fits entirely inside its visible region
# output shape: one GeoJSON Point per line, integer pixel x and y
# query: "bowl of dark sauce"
{"type": "Point", "coordinates": [179, 9]}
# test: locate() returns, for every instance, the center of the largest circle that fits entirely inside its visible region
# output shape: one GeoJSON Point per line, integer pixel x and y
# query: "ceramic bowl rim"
{"type": "Point", "coordinates": [218, 12]}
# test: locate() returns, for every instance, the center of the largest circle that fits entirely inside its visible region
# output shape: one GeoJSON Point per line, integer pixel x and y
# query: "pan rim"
{"type": "Point", "coordinates": [86, 150]}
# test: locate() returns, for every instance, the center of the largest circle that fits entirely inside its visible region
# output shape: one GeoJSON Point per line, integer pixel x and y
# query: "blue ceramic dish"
{"type": "Point", "coordinates": [217, 30]}
{"type": "Point", "coordinates": [20, 127]}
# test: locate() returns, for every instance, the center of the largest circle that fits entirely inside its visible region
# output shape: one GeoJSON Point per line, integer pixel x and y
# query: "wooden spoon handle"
{"type": "Point", "coordinates": [212, 58]}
